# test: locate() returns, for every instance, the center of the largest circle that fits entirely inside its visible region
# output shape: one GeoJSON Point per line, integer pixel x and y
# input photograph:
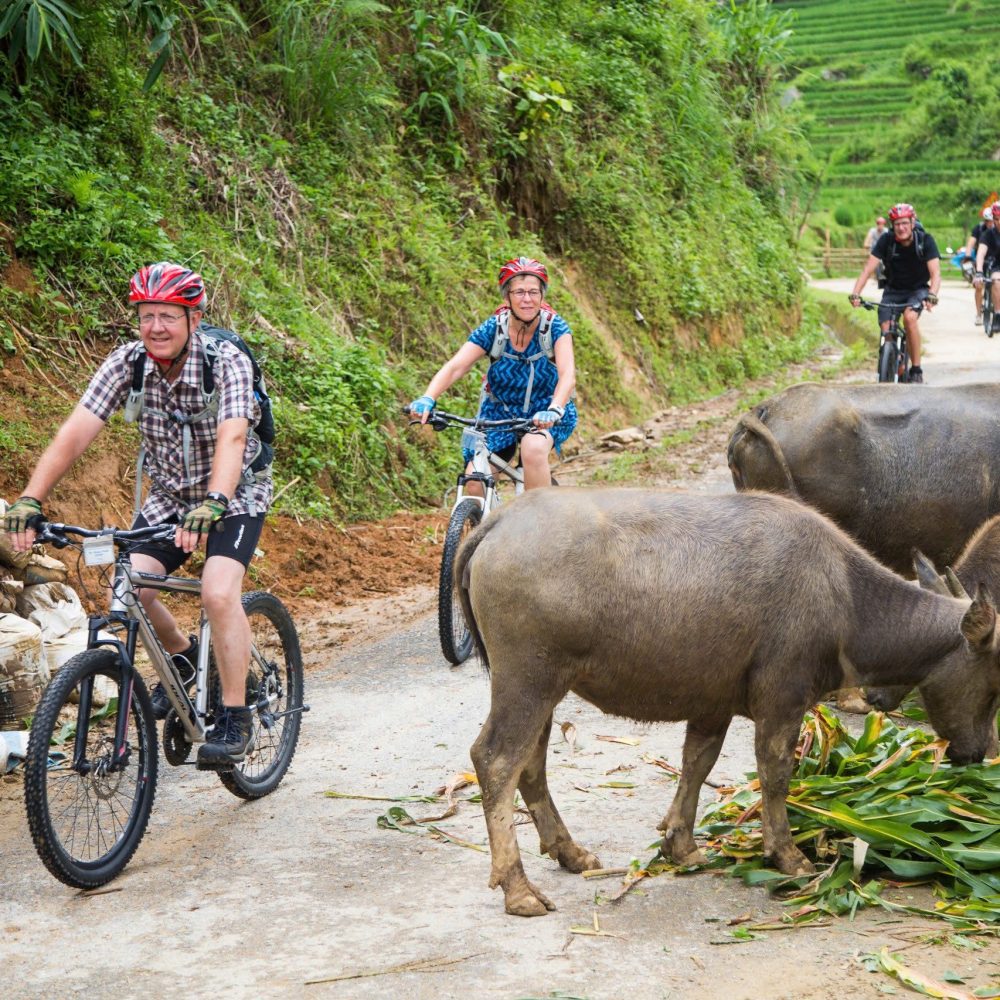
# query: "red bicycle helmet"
{"type": "Point", "coordinates": [523, 265]}
{"type": "Point", "coordinates": [901, 211]}
{"type": "Point", "coordinates": [166, 282]}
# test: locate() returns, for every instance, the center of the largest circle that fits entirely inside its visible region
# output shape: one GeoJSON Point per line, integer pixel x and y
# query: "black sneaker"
{"type": "Point", "coordinates": [916, 375]}
{"type": "Point", "coordinates": [229, 740]}
{"type": "Point", "coordinates": [186, 664]}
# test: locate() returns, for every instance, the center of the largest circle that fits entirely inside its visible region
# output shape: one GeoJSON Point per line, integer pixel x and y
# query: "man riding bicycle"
{"type": "Point", "coordinates": [988, 258]}
{"type": "Point", "coordinates": [984, 224]}
{"type": "Point", "coordinates": [912, 276]}
{"type": "Point", "coordinates": [532, 373]}
{"type": "Point", "coordinates": [198, 459]}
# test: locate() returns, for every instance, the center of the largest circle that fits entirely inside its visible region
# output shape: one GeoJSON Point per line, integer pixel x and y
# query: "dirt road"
{"type": "Point", "coordinates": [287, 896]}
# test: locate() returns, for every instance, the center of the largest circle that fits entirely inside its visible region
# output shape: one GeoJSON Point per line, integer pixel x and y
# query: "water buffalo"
{"type": "Point", "coordinates": [897, 467]}
{"type": "Point", "coordinates": [664, 607]}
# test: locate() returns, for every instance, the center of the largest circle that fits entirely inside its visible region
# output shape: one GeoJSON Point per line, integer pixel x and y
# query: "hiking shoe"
{"type": "Point", "coordinates": [916, 375]}
{"type": "Point", "coordinates": [186, 664]}
{"type": "Point", "coordinates": [229, 740]}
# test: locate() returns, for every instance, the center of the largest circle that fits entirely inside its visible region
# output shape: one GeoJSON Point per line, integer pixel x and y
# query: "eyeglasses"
{"type": "Point", "coordinates": [526, 293]}
{"type": "Point", "coordinates": [167, 319]}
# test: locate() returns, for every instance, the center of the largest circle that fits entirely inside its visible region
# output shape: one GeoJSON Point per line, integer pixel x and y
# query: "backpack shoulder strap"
{"type": "Point", "coordinates": [137, 393]}
{"type": "Point", "coordinates": [501, 336]}
{"type": "Point", "coordinates": [545, 333]}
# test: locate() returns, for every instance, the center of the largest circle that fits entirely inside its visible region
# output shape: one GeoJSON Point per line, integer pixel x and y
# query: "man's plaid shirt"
{"type": "Point", "coordinates": [170, 492]}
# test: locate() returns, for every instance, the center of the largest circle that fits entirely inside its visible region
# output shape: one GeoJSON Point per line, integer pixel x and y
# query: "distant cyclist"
{"type": "Point", "coordinates": [874, 233]}
{"type": "Point", "coordinates": [532, 373]}
{"type": "Point", "coordinates": [912, 265]}
{"type": "Point", "coordinates": [988, 258]}
{"type": "Point", "coordinates": [984, 224]}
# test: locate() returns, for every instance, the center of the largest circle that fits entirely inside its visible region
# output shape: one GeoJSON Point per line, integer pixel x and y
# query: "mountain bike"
{"type": "Point", "coordinates": [91, 766]}
{"type": "Point", "coordinates": [467, 511]}
{"type": "Point", "coordinates": [893, 354]}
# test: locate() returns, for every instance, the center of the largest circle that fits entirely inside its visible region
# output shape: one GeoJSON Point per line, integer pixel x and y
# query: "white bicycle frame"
{"type": "Point", "coordinates": [484, 464]}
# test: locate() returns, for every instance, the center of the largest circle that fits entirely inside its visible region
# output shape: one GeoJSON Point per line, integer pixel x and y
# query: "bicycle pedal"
{"type": "Point", "coordinates": [201, 765]}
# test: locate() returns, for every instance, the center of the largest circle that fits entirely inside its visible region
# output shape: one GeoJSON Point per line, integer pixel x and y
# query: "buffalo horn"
{"type": "Point", "coordinates": [955, 585]}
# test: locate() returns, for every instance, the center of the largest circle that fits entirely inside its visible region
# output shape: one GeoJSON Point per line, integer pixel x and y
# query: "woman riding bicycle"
{"type": "Point", "coordinates": [532, 373]}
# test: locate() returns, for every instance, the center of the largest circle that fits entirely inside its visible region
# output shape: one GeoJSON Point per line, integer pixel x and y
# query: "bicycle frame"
{"type": "Point", "coordinates": [126, 611]}
{"type": "Point", "coordinates": [484, 462]}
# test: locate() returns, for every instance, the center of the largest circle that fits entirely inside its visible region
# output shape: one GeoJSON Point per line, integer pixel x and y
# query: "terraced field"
{"type": "Point", "coordinates": [847, 58]}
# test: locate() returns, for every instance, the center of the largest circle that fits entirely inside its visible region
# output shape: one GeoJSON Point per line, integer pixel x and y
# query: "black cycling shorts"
{"type": "Point", "coordinates": [235, 536]}
{"type": "Point", "coordinates": [912, 297]}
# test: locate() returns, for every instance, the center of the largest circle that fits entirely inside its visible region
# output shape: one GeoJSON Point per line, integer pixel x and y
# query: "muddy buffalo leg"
{"type": "Point", "coordinates": [774, 744]}
{"type": "Point", "coordinates": [508, 739]}
{"type": "Point", "coordinates": [702, 743]}
{"type": "Point", "coordinates": [555, 840]}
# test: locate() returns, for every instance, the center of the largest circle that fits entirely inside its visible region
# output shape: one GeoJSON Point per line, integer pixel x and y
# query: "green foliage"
{"type": "Point", "coordinates": [29, 28]}
{"type": "Point", "coordinates": [348, 176]}
{"type": "Point", "coordinates": [450, 51]}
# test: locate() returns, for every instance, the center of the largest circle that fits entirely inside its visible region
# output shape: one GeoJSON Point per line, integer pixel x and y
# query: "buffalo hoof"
{"type": "Point", "coordinates": [575, 858]}
{"type": "Point", "coordinates": [527, 901]}
{"type": "Point", "coordinates": [680, 847]}
{"type": "Point", "coordinates": [791, 861]}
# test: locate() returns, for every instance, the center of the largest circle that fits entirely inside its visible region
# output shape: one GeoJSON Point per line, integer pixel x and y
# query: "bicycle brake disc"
{"type": "Point", "coordinates": [176, 745]}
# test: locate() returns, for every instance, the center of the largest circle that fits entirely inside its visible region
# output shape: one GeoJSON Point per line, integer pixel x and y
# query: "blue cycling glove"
{"type": "Point", "coordinates": [422, 406]}
{"type": "Point", "coordinates": [550, 416]}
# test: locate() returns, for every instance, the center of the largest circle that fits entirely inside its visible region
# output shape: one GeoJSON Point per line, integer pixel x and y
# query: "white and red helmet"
{"type": "Point", "coordinates": [901, 211]}
{"type": "Point", "coordinates": [167, 282]}
{"type": "Point", "coordinates": [523, 265]}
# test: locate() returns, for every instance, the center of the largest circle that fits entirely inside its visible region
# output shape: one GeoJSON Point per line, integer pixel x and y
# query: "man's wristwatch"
{"type": "Point", "coordinates": [217, 497]}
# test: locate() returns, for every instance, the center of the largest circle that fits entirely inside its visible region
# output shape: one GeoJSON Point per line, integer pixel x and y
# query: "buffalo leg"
{"type": "Point", "coordinates": [701, 750]}
{"type": "Point", "coordinates": [774, 744]}
{"type": "Point", "coordinates": [508, 739]}
{"type": "Point", "coordinates": [554, 839]}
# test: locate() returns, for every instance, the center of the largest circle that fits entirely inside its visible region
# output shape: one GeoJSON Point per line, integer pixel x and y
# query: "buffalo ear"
{"type": "Point", "coordinates": [927, 575]}
{"type": "Point", "coordinates": [980, 621]}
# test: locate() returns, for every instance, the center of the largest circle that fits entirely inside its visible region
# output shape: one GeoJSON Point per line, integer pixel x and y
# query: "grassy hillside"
{"type": "Point", "coordinates": [349, 176]}
{"type": "Point", "coordinates": [902, 102]}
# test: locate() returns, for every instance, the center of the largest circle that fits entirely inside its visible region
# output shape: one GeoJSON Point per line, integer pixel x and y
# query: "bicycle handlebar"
{"type": "Point", "coordinates": [441, 419]}
{"type": "Point", "coordinates": [54, 533]}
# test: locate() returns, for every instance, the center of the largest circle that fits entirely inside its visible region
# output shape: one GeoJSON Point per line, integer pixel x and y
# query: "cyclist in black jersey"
{"type": "Point", "coordinates": [912, 276]}
{"type": "Point", "coordinates": [985, 224]}
{"type": "Point", "coordinates": [988, 256]}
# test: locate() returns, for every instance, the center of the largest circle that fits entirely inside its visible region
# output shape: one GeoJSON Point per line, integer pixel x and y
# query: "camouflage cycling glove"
{"type": "Point", "coordinates": [20, 513]}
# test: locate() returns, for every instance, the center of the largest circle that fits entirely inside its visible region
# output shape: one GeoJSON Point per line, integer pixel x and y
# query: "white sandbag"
{"type": "Point", "coordinates": [54, 607]}
{"type": "Point", "coordinates": [21, 669]}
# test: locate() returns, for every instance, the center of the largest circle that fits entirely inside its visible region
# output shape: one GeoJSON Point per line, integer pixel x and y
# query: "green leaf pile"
{"type": "Point", "coordinates": [885, 806]}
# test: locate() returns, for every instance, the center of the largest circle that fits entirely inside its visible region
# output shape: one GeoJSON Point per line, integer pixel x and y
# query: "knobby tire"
{"type": "Point", "coordinates": [887, 362]}
{"type": "Point", "coordinates": [86, 827]}
{"type": "Point", "coordinates": [456, 640]}
{"type": "Point", "coordinates": [274, 686]}
{"type": "Point", "coordinates": [989, 315]}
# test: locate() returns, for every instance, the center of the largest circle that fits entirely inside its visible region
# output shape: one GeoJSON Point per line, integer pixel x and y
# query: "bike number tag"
{"type": "Point", "coordinates": [98, 551]}
{"type": "Point", "coordinates": [472, 439]}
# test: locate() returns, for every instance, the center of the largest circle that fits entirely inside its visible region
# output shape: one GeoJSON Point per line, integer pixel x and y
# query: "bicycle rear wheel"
{"type": "Point", "coordinates": [86, 820]}
{"type": "Point", "coordinates": [888, 360]}
{"type": "Point", "coordinates": [456, 640]}
{"type": "Point", "coordinates": [275, 690]}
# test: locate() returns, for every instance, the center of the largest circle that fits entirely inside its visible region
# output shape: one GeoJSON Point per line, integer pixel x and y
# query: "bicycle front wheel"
{"type": "Point", "coordinates": [274, 691]}
{"type": "Point", "coordinates": [989, 315]}
{"type": "Point", "coordinates": [888, 359]}
{"type": "Point", "coordinates": [87, 809]}
{"type": "Point", "coordinates": [456, 640]}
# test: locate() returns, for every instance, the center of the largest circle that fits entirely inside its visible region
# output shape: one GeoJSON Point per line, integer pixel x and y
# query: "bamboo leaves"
{"type": "Point", "coordinates": [883, 802]}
